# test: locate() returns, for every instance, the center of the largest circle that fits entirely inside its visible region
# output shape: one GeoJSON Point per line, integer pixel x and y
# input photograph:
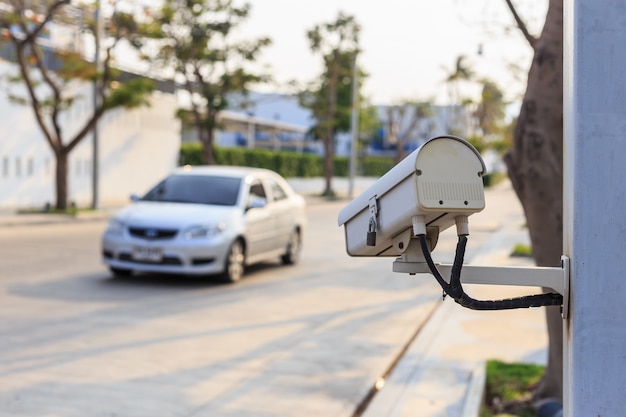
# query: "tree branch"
{"type": "Point", "coordinates": [33, 34]}
{"type": "Point", "coordinates": [56, 91]}
{"type": "Point", "coordinates": [100, 109]}
{"type": "Point", "coordinates": [26, 76]}
{"type": "Point", "coordinates": [521, 25]}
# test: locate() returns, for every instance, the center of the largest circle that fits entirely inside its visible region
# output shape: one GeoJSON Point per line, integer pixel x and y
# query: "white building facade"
{"type": "Point", "coordinates": [136, 148]}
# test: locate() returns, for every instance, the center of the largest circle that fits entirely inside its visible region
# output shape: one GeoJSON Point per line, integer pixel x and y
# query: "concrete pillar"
{"type": "Point", "coordinates": [595, 206]}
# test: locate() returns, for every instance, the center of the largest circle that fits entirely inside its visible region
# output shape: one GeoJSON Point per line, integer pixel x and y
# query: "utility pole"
{"type": "Point", "coordinates": [594, 203]}
{"type": "Point", "coordinates": [95, 202]}
{"type": "Point", "coordinates": [354, 124]}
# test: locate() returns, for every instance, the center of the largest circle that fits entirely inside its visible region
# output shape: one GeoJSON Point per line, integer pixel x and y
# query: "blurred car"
{"type": "Point", "coordinates": [207, 220]}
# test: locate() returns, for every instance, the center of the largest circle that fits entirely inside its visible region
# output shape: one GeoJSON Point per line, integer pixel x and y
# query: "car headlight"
{"type": "Point", "coordinates": [115, 227]}
{"type": "Point", "coordinates": [202, 231]}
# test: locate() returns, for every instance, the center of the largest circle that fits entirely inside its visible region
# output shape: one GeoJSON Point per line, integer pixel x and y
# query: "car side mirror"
{"type": "Point", "coordinates": [256, 202]}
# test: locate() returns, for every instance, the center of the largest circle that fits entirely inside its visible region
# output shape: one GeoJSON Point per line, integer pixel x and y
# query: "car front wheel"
{"type": "Point", "coordinates": [234, 265]}
{"type": "Point", "coordinates": [292, 253]}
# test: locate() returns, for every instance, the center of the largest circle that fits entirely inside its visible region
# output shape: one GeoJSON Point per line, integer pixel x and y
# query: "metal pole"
{"type": "Point", "coordinates": [251, 130]}
{"type": "Point", "coordinates": [355, 127]}
{"type": "Point", "coordinates": [594, 221]}
{"type": "Point", "coordinates": [96, 101]}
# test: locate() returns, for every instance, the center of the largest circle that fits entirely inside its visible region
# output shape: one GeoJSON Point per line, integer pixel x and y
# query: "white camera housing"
{"type": "Point", "coordinates": [437, 183]}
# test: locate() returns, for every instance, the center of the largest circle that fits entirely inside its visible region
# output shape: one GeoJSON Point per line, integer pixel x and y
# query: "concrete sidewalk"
{"type": "Point", "coordinates": [443, 372]}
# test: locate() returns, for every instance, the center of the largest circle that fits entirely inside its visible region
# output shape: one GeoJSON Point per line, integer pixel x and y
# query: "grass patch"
{"type": "Point", "coordinates": [508, 389]}
{"type": "Point", "coordinates": [70, 211]}
{"type": "Point", "coordinates": [522, 250]}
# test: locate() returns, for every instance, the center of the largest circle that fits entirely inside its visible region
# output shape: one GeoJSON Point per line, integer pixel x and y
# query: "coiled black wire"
{"type": "Point", "coordinates": [455, 289]}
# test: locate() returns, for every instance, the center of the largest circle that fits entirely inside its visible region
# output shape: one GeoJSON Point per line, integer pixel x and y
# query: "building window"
{"type": "Point", "coordinates": [77, 167]}
{"type": "Point", "coordinates": [18, 166]}
{"type": "Point", "coordinates": [5, 167]}
{"type": "Point", "coordinates": [30, 167]}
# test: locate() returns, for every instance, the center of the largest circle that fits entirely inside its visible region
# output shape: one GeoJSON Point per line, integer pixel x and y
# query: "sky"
{"type": "Point", "coordinates": [409, 46]}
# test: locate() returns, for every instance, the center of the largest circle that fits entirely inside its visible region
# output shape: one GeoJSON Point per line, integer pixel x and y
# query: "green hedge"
{"type": "Point", "coordinates": [303, 165]}
{"type": "Point", "coordinates": [288, 164]}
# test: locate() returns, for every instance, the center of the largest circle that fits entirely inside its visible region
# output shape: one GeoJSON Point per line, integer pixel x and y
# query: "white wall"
{"type": "Point", "coordinates": [137, 148]}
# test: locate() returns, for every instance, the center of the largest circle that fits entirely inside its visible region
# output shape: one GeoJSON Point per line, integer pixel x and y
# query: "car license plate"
{"type": "Point", "coordinates": [147, 253]}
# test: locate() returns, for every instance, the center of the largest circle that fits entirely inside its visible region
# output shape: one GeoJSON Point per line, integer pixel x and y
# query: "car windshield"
{"type": "Point", "coordinates": [196, 189]}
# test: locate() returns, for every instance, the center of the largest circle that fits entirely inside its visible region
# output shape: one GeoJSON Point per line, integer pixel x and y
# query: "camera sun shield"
{"type": "Point", "coordinates": [439, 181]}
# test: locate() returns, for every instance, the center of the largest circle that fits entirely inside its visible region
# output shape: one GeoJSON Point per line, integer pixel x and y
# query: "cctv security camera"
{"type": "Point", "coordinates": [439, 185]}
{"type": "Point", "coordinates": [436, 186]}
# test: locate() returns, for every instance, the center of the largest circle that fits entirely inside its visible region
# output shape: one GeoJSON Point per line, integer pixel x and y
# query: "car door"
{"type": "Point", "coordinates": [282, 213]}
{"type": "Point", "coordinates": [259, 221]}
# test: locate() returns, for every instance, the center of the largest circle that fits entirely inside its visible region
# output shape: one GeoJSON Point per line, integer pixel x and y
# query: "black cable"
{"type": "Point", "coordinates": [455, 274]}
{"type": "Point", "coordinates": [433, 268]}
{"type": "Point", "coordinates": [455, 288]}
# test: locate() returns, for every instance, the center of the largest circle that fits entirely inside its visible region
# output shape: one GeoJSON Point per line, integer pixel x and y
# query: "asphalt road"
{"type": "Point", "coordinates": [303, 340]}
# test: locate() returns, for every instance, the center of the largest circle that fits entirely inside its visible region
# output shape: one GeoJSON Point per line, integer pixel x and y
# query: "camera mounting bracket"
{"type": "Point", "coordinates": [556, 278]}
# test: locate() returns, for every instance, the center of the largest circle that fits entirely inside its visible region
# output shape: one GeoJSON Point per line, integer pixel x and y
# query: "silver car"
{"type": "Point", "coordinates": [207, 220]}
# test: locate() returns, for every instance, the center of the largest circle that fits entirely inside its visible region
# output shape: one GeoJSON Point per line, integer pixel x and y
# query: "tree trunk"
{"type": "Point", "coordinates": [61, 180]}
{"type": "Point", "coordinates": [329, 166]}
{"type": "Point", "coordinates": [535, 167]}
{"type": "Point", "coordinates": [400, 152]}
{"type": "Point", "coordinates": [206, 138]}
{"type": "Point", "coordinates": [329, 142]}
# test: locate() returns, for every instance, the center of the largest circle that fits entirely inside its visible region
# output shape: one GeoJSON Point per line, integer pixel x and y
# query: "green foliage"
{"type": "Point", "coordinates": [477, 142]}
{"type": "Point", "coordinates": [369, 122]}
{"type": "Point", "coordinates": [310, 166]}
{"type": "Point", "coordinates": [191, 154]}
{"type": "Point", "coordinates": [73, 67]}
{"type": "Point", "coordinates": [461, 71]}
{"type": "Point", "coordinates": [481, 144]}
{"type": "Point", "coordinates": [500, 146]}
{"type": "Point", "coordinates": [261, 158]}
{"type": "Point", "coordinates": [492, 130]}
{"type": "Point", "coordinates": [71, 211]}
{"type": "Point", "coordinates": [492, 178]}
{"type": "Point", "coordinates": [522, 250]}
{"type": "Point", "coordinates": [341, 166]}
{"type": "Point", "coordinates": [194, 38]}
{"type": "Point", "coordinates": [288, 164]}
{"type": "Point", "coordinates": [230, 156]}
{"type": "Point", "coordinates": [506, 382]}
{"type": "Point", "coordinates": [491, 109]}
{"type": "Point", "coordinates": [336, 78]}
{"type": "Point", "coordinates": [330, 97]}
{"type": "Point", "coordinates": [131, 94]}
{"type": "Point", "coordinates": [376, 166]}
{"type": "Point", "coordinates": [285, 163]}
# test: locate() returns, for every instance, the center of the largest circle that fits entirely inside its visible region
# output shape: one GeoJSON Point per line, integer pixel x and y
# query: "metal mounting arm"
{"type": "Point", "coordinates": [412, 262]}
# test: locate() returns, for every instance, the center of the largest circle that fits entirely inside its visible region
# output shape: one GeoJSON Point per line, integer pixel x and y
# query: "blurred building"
{"type": "Point", "coordinates": [441, 120]}
{"type": "Point", "coordinates": [136, 147]}
{"type": "Point", "coordinates": [139, 146]}
{"type": "Point", "coordinates": [278, 122]}
{"type": "Point", "coordinates": [267, 121]}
